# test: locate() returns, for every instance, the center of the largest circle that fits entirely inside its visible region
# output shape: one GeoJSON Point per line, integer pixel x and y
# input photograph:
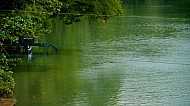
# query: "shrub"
{"type": "Point", "coordinates": [6, 83]}
{"type": "Point", "coordinates": [6, 80]}
{"type": "Point", "coordinates": [7, 63]}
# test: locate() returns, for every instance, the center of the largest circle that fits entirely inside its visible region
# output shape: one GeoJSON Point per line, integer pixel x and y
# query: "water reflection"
{"type": "Point", "coordinates": [136, 60]}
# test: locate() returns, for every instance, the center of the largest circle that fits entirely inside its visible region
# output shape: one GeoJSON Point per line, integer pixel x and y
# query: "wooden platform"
{"type": "Point", "coordinates": [7, 102]}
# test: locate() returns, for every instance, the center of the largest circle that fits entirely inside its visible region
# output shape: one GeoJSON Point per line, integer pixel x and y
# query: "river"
{"type": "Point", "coordinates": [140, 59]}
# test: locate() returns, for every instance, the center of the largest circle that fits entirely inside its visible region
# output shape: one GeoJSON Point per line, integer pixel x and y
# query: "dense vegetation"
{"type": "Point", "coordinates": [6, 80]}
{"type": "Point", "coordinates": [32, 18]}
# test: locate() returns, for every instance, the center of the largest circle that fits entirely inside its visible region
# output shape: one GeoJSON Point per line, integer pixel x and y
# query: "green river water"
{"type": "Point", "coordinates": [141, 59]}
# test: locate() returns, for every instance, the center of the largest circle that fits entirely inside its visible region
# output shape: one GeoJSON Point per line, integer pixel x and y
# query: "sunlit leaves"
{"type": "Point", "coordinates": [6, 80]}
{"type": "Point", "coordinates": [6, 63]}
{"type": "Point", "coordinates": [7, 83]}
{"type": "Point", "coordinates": [44, 7]}
{"type": "Point", "coordinates": [22, 25]}
{"type": "Point", "coordinates": [30, 20]}
{"type": "Point", "coordinates": [92, 9]}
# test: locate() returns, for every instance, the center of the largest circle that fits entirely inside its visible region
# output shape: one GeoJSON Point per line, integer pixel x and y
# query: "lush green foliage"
{"type": "Point", "coordinates": [32, 17]}
{"type": "Point", "coordinates": [7, 63]}
{"type": "Point", "coordinates": [6, 80]}
{"type": "Point", "coordinates": [14, 26]}
{"type": "Point", "coordinates": [30, 20]}
{"type": "Point", "coordinates": [6, 83]}
{"type": "Point", "coordinates": [92, 9]}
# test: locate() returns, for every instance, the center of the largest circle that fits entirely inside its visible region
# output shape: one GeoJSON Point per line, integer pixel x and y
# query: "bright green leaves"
{"type": "Point", "coordinates": [108, 7]}
{"type": "Point", "coordinates": [6, 80]}
{"type": "Point", "coordinates": [44, 7]}
{"type": "Point", "coordinates": [14, 26]}
{"type": "Point", "coordinates": [6, 63]}
{"type": "Point", "coordinates": [30, 20]}
{"type": "Point", "coordinates": [33, 17]}
{"type": "Point", "coordinates": [6, 83]}
{"type": "Point", "coordinates": [92, 9]}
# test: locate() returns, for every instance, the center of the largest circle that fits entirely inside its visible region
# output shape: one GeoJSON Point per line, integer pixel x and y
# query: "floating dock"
{"type": "Point", "coordinates": [27, 43]}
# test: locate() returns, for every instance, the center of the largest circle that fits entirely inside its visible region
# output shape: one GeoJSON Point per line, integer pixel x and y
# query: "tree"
{"type": "Point", "coordinates": [6, 80]}
{"type": "Point", "coordinates": [31, 19]}
{"type": "Point", "coordinates": [6, 84]}
{"type": "Point", "coordinates": [92, 9]}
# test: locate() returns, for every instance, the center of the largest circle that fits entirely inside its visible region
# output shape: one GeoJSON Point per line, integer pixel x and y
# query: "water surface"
{"type": "Point", "coordinates": [140, 59]}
